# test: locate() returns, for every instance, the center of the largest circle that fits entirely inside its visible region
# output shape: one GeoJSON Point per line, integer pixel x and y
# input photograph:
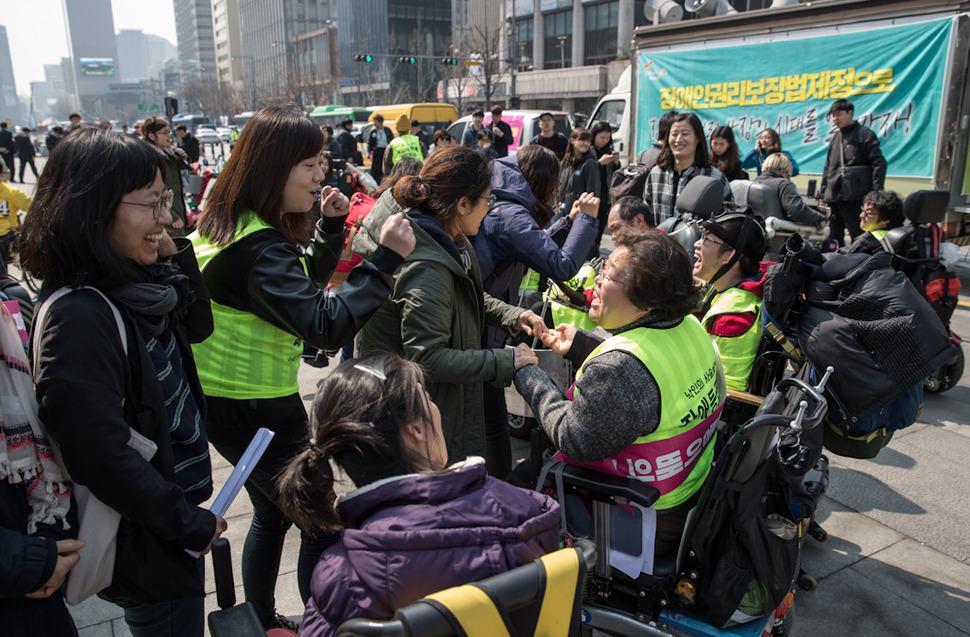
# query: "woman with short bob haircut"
{"type": "Point", "coordinates": [438, 309]}
{"type": "Point", "coordinates": [725, 154]}
{"type": "Point", "coordinates": [376, 439]}
{"type": "Point", "coordinates": [683, 157]}
{"type": "Point", "coordinates": [267, 301]}
{"type": "Point", "coordinates": [98, 226]}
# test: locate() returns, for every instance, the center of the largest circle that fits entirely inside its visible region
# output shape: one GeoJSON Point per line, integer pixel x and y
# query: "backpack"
{"type": "Point", "coordinates": [629, 181]}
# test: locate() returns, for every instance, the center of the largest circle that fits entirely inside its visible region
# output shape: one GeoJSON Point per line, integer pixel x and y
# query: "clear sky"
{"type": "Point", "coordinates": [35, 29]}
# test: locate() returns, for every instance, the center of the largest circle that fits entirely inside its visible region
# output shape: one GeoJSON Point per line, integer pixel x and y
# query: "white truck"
{"type": "Point", "coordinates": [903, 64]}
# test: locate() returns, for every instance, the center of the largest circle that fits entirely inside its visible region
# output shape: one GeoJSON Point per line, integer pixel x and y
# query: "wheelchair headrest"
{"type": "Point", "coordinates": [926, 206]}
{"type": "Point", "coordinates": [703, 197]}
{"type": "Point", "coordinates": [764, 201]}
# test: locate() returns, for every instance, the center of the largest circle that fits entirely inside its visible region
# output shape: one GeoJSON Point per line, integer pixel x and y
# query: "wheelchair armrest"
{"type": "Point", "coordinates": [603, 487]}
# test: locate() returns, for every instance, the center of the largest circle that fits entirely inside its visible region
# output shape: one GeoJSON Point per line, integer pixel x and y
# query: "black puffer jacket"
{"type": "Point", "coordinates": [868, 322]}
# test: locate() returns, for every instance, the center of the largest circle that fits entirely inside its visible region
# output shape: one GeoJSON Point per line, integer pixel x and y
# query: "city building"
{"type": "Point", "coordinates": [141, 55]}
{"type": "Point", "coordinates": [269, 32]}
{"type": "Point", "coordinates": [196, 41]}
{"type": "Point", "coordinates": [229, 55]}
{"type": "Point", "coordinates": [9, 103]}
{"type": "Point", "coordinates": [93, 54]}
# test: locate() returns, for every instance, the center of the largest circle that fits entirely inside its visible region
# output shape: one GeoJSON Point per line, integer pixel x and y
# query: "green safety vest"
{"type": "Point", "coordinates": [245, 357]}
{"type": "Point", "coordinates": [405, 146]}
{"type": "Point", "coordinates": [879, 234]}
{"type": "Point", "coordinates": [584, 279]}
{"type": "Point", "coordinates": [677, 456]}
{"type": "Point", "coordinates": [737, 352]}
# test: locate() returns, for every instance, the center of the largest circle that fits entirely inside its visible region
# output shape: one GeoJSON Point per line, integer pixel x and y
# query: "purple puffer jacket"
{"type": "Point", "coordinates": [410, 536]}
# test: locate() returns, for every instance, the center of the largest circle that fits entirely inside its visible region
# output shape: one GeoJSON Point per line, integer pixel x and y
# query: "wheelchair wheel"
{"type": "Point", "coordinates": [520, 426]}
{"type": "Point", "coordinates": [947, 376]}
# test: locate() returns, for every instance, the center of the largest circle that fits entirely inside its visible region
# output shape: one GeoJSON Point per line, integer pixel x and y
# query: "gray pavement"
{"type": "Point", "coordinates": [897, 561]}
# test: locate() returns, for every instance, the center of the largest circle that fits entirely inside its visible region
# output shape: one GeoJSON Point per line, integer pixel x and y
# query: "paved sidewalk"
{"type": "Point", "coordinates": [897, 561]}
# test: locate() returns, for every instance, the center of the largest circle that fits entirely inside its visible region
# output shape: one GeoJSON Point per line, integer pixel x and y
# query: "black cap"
{"type": "Point", "coordinates": [541, 115]}
{"type": "Point", "coordinates": [478, 114]}
{"type": "Point", "coordinates": [414, 123]}
{"type": "Point", "coordinates": [751, 233]}
{"type": "Point", "coordinates": [347, 122]}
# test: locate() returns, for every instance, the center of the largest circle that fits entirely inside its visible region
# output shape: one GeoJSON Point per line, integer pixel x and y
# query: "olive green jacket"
{"type": "Point", "coordinates": [435, 317]}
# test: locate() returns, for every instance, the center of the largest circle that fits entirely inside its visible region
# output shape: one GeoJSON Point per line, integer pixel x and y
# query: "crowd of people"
{"type": "Point", "coordinates": [185, 336]}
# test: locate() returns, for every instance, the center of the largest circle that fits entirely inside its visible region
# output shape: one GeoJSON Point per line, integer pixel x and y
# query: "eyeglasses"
{"type": "Point", "coordinates": [164, 202]}
{"type": "Point", "coordinates": [491, 201]}
{"type": "Point", "coordinates": [607, 277]}
{"type": "Point", "coordinates": [706, 238]}
{"type": "Point", "coordinates": [872, 212]}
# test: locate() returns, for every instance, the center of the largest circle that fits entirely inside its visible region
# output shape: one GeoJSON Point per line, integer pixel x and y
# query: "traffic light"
{"type": "Point", "coordinates": [449, 61]}
{"type": "Point", "coordinates": [363, 57]}
{"type": "Point", "coordinates": [171, 106]}
{"type": "Point", "coordinates": [408, 60]}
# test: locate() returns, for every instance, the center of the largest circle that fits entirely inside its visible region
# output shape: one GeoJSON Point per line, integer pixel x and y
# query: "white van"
{"type": "Point", "coordinates": [615, 109]}
{"type": "Point", "coordinates": [524, 125]}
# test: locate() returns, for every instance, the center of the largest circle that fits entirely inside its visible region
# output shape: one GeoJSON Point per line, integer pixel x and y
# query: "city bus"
{"type": "Point", "coordinates": [192, 122]}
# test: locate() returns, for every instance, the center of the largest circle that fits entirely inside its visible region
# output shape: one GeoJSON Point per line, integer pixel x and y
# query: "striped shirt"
{"type": "Point", "coordinates": [190, 448]}
{"type": "Point", "coordinates": [662, 188]}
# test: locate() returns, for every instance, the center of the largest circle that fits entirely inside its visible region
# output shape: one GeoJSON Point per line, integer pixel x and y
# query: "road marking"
{"type": "Point", "coordinates": [964, 303]}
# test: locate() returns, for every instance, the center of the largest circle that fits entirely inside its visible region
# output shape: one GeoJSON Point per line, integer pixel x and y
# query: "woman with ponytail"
{"type": "Point", "coordinates": [411, 524]}
{"type": "Point", "coordinates": [438, 308]}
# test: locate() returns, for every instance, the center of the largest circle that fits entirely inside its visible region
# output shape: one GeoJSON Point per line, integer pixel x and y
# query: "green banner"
{"type": "Point", "coordinates": [894, 76]}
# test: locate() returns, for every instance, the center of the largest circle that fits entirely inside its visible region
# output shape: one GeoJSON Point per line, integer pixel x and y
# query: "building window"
{"type": "Point", "coordinates": [601, 27]}
{"type": "Point", "coordinates": [523, 42]}
{"type": "Point", "coordinates": [559, 39]}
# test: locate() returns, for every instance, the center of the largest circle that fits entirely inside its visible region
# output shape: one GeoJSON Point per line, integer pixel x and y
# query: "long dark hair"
{"type": "Point", "coordinates": [540, 167]}
{"type": "Point", "coordinates": [600, 127]}
{"type": "Point", "coordinates": [355, 419]}
{"type": "Point", "coordinates": [666, 158]}
{"type": "Point", "coordinates": [445, 178]}
{"type": "Point", "coordinates": [273, 141]}
{"type": "Point", "coordinates": [730, 160]}
{"type": "Point", "coordinates": [572, 157]}
{"type": "Point", "coordinates": [64, 237]}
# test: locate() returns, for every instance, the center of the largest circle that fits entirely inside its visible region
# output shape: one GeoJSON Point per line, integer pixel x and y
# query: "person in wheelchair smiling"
{"type": "Point", "coordinates": [646, 400]}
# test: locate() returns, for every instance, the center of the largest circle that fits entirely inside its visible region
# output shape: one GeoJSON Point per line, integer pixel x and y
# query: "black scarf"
{"type": "Point", "coordinates": [159, 301]}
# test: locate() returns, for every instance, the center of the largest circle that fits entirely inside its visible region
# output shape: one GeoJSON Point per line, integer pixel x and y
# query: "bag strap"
{"type": "Point", "coordinates": [40, 319]}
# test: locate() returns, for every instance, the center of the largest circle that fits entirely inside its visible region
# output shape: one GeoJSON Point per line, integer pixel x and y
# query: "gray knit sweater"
{"type": "Point", "coordinates": [618, 399]}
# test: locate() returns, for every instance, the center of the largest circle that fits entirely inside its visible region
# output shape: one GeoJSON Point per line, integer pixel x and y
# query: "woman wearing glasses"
{"type": "Point", "coordinates": [646, 401]}
{"type": "Point", "coordinates": [267, 278]}
{"type": "Point", "coordinates": [112, 357]}
{"type": "Point", "coordinates": [158, 133]}
{"type": "Point", "coordinates": [438, 309]}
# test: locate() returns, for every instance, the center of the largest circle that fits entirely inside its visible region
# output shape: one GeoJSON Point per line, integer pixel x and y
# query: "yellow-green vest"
{"type": "Point", "coordinates": [879, 234]}
{"type": "Point", "coordinates": [737, 352]}
{"type": "Point", "coordinates": [245, 357]}
{"type": "Point", "coordinates": [677, 456]}
{"type": "Point", "coordinates": [405, 146]}
{"type": "Point", "coordinates": [561, 313]}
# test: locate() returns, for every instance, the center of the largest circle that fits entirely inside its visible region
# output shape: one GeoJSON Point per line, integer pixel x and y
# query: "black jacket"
{"type": "Point", "coordinates": [25, 147]}
{"type": "Point", "coordinates": [500, 143]}
{"type": "Point", "coordinates": [861, 148]}
{"type": "Point", "coordinates": [372, 138]}
{"type": "Point", "coordinates": [190, 144]}
{"type": "Point", "coordinates": [348, 146]}
{"type": "Point", "coordinates": [90, 392]}
{"type": "Point", "coordinates": [26, 564]}
{"type": "Point", "coordinates": [868, 322]}
{"type": "Point", "coordinates": [6, 140]}
{"type": "Point", "coordinates": [262, 274]}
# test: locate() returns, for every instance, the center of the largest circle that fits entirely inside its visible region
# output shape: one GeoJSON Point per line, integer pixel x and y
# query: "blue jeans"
{"type": "Point", "coordinates": [230, 426]}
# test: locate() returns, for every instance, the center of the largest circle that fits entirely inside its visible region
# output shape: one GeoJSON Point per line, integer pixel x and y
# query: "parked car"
{"type": "Point", "coordinates": [524, 125]}
{"type": "Point", "coordinates": [207, 135]}
{"type": "Point", "coordinates": [225, 134]}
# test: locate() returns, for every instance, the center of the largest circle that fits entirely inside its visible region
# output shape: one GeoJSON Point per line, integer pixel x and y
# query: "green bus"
{"type": "Point", "coordinates": [331, 115]}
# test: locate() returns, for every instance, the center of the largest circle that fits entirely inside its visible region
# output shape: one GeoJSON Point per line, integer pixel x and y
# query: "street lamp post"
{"type": "Point", "coordinates": [562, 50]}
